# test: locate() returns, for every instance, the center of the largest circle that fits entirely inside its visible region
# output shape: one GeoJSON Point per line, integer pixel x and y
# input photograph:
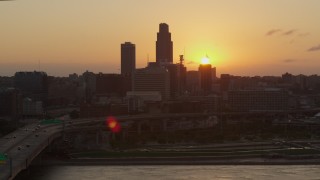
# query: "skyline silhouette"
{"type": "Point", "coordinates": [241, 38]}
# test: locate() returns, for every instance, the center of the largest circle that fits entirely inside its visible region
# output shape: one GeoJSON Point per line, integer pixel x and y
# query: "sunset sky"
{"type": "Point", "coordinates": [241, 37]}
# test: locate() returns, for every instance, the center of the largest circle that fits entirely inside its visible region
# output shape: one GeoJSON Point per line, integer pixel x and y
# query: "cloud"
{"type": "Point", "coordinates": [273, 31]}
{"type": "Point", "coordinates": [303, 34]}
{"type": "Point", "coordinates": [289, 60]}
{"type": "Point", "coordinates": [314, 48]}
{"type": "Point", "coordinates": [289, 32]}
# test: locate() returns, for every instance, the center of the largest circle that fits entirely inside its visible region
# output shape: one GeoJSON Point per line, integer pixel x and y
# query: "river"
{"type": "Point", "coordinates": [181, 172]}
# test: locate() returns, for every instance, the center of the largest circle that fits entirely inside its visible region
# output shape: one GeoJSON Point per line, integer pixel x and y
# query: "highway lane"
{"type": "Point", "coordinates": [23, 152]}
{"type": "Point", "coordinates": [11, 139]}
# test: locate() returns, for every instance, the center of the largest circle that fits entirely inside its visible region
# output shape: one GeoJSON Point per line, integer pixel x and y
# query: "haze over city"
{"type": "Point", "coordinates": [167, 89]}
{"type": "Point", "coordinates": [251, 37]}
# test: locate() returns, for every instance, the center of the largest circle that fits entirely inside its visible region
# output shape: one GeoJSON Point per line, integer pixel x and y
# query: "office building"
{"type": "Point", "coordinates": [225, 82]}
{"type": "Point", "coordinates": [128, 58]}
{"type": "Point", "coordinates": [90, 84]}
{"type": "Point", "coordinates": [177, 78]}
{"type": "Point", "coordinates": [152, 78]}
{"type": "Point", "coordinates": [112, 84]}
{"type": "Point", "coordinates": [32, 84]}
{"type": "Point", "coordinates": [164, 45]}
{"type": "Point", "coordinates": [192, 82]}
{"type": "Point", "coordinates": [214, 73]}
{"type": "Point", "coordinates": [10, 103]}
{"type": "Point", "coordinates": [173, 70]}
{"type": "Point", "coordinates": [205, 71]}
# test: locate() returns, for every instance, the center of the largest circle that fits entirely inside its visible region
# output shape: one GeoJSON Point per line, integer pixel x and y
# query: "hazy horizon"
{"type": "Point", "coordinates": [250, 37]}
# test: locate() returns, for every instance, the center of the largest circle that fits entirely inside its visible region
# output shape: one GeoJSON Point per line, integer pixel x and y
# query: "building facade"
{"type": "Point", "coordinates": [32, 108]}
{"type": "Point", "coordinates": [112, 84]}
{"type": "Point", "coordinates": [152, 78]}
{"type": "Point", "coordinates": [270, 99]}
{"type": "Point", "coordinates": [205, 71]}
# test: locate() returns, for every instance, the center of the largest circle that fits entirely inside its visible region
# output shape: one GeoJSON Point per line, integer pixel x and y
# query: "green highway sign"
{"type": "Point", "coordinates": [50, 121]}
{"type": "Point", "coordinates": [3, 157]}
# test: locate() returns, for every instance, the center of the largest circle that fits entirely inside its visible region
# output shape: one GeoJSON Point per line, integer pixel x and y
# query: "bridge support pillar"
{"type": "Point", "coordinates": [151, 127]}
{"type": "Point", "coordinates": [139, 127]}
{"type": "Point", "coordinates": [124, 135]}
{"type": "Point", "coordinates": [97, 137]}
{"type": "Point", "coordinates": [164, 124]}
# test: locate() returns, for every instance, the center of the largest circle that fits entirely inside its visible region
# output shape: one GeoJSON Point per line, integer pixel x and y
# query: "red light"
{"type": "Point", "coordinates": [113, 124]}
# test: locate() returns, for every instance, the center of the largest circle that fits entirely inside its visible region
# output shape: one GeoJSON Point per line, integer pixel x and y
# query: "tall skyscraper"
{"type": "Point", "coordinates": [164, 45]}
{"type": "Point", "coordinates": [128, 58]}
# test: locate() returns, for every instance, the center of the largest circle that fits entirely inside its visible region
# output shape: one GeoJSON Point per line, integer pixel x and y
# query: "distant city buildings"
{"type": "Point", "coordinates": [70, 90]}
{"type": "Point", "coordinates": [128, 58]}
{"type": "Point", "coordinates": [6, 82]}
{"type": "Point", "coordinates": [164, 45]}
{"type": "Point", "coordinates": [162, 86]}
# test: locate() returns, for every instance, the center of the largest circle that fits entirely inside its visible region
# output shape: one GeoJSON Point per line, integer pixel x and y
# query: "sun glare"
{"type": "Point", "coordinates": [205, 60]}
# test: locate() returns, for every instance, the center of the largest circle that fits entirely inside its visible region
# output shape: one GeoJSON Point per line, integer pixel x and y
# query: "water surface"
{"type": "Point", "coordinates": [240, 172]}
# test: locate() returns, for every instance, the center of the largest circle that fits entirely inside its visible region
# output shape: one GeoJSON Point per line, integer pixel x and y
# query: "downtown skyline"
{"type": "Point", "coordinates": [240, 38]}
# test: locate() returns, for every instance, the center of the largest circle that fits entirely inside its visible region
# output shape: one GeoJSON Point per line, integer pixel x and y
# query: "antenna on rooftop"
{"type": "Point", "coordinates": [181, 59]}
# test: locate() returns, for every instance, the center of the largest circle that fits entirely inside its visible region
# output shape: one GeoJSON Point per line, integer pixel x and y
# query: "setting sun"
{"type": "Point", "coordinates": [205, 60]}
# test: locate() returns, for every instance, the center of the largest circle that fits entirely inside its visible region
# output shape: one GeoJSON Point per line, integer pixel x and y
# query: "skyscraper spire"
{"type": "Point", "coordinates": [164, 45]}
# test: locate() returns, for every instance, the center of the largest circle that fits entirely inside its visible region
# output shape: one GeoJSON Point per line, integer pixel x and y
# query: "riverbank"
{"type": "Point", "coordinates": [180, 161]}
{"type": "Point", "coordinates": [257, 153]}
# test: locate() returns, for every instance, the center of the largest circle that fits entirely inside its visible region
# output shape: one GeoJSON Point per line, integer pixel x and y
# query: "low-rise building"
{"type": "Point", "coordinates": [10, 103]}
{"type": "Point", "coordinates": [138, 100]}
{"type": "Point", "coordinates": [269, 99]}
{"type": "Point", "coordinates": [32, 108]}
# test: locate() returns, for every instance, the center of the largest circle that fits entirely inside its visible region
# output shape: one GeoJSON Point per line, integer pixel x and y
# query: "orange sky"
{"type": "Point", "coordinates": [244, 37]}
